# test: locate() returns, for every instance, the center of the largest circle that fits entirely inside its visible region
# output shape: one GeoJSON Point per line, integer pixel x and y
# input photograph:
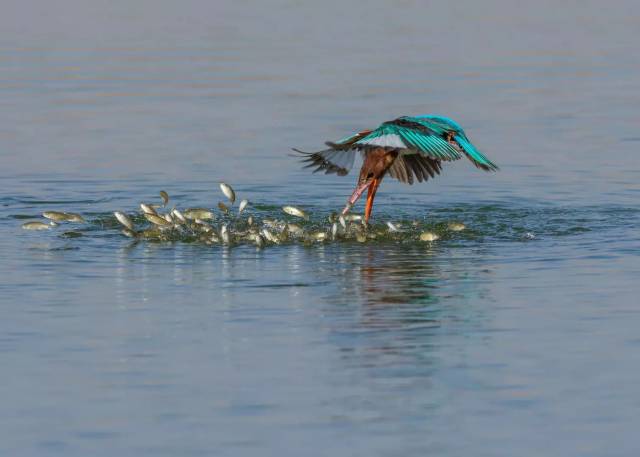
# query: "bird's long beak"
{"type": "Point", "coordinates": [356, 195]}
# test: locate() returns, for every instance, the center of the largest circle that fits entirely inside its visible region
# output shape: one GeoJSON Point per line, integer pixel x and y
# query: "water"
{"type": "Point", "coordinates": [518, 336]}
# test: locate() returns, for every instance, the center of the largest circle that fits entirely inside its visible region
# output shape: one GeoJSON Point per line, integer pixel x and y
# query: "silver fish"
{"type": "Point", "coordinates": [270, 236]}
{"type": "Point", "coordinates": [228, 192]}
{"type": "Point", "coordinates": [334, 230]}
{"type": "Point", "coordinates": [250, 220]}
{"type": "Point", "coordinates": [198, 213]}
{"type": "Point", "coordinates": [353, 217]}
{"type": "Point", "coordinates": [243, 205]}
{"type": "Point", "coordinates": [178, 215]}
{"type": "Point", "coordinates": [34, 225]}
{"type": "Point", "coordinates": [319, 236]}
{"type": "Point", "coordinates": [342, 221]}
{"type": "Point", "coordinates": [456, 226]}
{"type": "Point", "coordinates": [393, 227]}
{"type": "Point", "coordinates": [429, 236]}
{"type": "Point", "coordinates": [75, 217]}
{"type": "Point", "coordinates": [165, 197]}
{"type": "Point", "coordinates": [57, 216]}
{"type": "Point", "coordinates": [147, 209]}
{"type": "Point", "coordinates": [157, 220]}
{"type": "Point", "coordinates": [297, 212]}
{"type": "Point", "coordinates": [124, 220]}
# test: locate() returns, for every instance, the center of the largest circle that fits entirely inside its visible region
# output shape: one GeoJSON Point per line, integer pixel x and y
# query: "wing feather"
{"type": "Point", "coordinates": [454, 134]}
{"type": "Point", "coordinates": [408, 171]}
{"type": "Point", "coordinates": [397, 171]}
{"type": "Point", "coordinates": [405, 167]}
{"type": "Point", "coordinates": [472, 153]}
{"type": "Point", "coordinates": [329, 160]}
{"type": "Point", "coordinates": [410, 162]}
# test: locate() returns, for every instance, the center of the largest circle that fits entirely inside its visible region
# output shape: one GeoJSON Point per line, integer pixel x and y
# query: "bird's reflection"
{"type": "Point", "coordinates": [383, 276]}
{"type": "Point", "coordinates": [393, 305]}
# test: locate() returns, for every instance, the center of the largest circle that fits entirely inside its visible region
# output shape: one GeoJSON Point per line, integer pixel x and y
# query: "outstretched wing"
{"type": "Point", "coordinates": [452, 131]}
{"type": "Point", "coordinates": [338, 158]}
{"type": "Point", "coordinates": [329, 160]}
{"type": "Point", "coordinates": [410, 136]}
{"type": "Point", "coordinates": [476, 157]}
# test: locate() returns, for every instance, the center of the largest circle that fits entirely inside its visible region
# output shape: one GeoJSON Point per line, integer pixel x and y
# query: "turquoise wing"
{"type": "Point", "coordinates": [451, 130]}
{"type": "Point", "coordinates": [473, 154]}
{"type": "Point", "coordinates": [404, 133]}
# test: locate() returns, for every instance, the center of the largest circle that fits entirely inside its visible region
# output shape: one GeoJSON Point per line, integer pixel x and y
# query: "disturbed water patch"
{"type": "Point", "coordinates": [264, 224]}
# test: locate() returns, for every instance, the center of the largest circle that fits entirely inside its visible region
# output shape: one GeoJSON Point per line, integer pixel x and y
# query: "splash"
{"type": "Point", "coordinates": [265, 225]}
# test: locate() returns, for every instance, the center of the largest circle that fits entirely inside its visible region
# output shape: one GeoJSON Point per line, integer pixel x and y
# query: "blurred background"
{"type": "Point", "coordinates": [518, 337]}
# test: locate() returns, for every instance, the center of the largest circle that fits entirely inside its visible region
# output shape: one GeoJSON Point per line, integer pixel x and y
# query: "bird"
{"type": "Point", "coordinates": [406, 148]}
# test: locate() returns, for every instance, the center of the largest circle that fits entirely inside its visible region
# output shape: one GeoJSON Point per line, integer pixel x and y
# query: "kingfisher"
{"type": "Point", "coordinates": [407, 148]}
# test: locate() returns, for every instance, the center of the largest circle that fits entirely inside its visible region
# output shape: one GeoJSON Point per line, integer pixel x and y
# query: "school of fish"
{"type": "Point", "coordinates": [157, 222]}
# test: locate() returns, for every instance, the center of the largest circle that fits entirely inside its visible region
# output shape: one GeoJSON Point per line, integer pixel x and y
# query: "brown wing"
{"type": "Point", "coordinates": [405, 167]}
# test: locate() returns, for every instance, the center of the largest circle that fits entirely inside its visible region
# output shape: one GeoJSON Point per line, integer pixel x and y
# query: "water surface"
{"type": "Point", "coordinates": [518, 336]}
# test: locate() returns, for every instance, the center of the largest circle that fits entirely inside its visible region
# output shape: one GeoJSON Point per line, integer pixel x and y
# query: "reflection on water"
{"type": "Point", "coordinates": [392, 275]}
{"type": "Point", "coordinates": [392, 341]}
{"type": "Point", "coordinates": [390, 305]}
